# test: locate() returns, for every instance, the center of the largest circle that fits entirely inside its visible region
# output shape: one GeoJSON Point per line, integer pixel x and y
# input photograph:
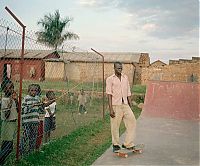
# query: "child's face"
{"type": "Point", "coordinates": [51, 97]}
{"type": "Point", "coordinates": [33, 91]}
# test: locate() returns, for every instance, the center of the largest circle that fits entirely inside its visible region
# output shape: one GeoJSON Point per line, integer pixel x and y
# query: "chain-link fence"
{"type": "Point", "coordinates": [45, 93]}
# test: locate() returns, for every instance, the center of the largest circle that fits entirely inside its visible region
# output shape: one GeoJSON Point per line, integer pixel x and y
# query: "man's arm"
{"type": "Point", "coordinates": [129, 101]}
{"type": "Point", "coordinates": [109, 93]}
{"type": "Point", "coordinates": [112, 113]}
{"type": "Point", "coordinates": [129, 94]}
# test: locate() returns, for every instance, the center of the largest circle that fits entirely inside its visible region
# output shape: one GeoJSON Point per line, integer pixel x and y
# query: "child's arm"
{"type": "Point", "coordinates": [6, 107]}
{"type": "Point", "coordinates": [46, 104]}
{"type": "Point", "coordinates": [47, 109]}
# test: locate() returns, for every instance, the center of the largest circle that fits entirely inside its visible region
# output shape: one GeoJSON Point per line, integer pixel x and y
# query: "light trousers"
{"type": "Point", "coordinates": [123, 112]}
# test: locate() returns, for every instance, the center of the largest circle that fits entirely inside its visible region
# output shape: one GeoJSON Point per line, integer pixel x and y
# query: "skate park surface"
{"type": "Point", "coordinates": [168, 126]}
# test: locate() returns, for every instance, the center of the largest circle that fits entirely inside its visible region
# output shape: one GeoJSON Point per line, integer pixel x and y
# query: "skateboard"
{"type": "Point", "coordinates": [125, 152]}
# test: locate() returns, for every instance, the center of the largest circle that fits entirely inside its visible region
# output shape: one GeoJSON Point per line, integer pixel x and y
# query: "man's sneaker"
{"type": "Point", "coordinates": [129, 148]}
{"type": "Point", "coordinates": [116, 148]}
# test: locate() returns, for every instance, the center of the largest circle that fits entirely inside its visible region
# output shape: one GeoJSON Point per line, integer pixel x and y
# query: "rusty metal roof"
{"type": "Point", "coordinates": [30, 54]}
{"type": "Point", "coordinates": [125, 57]}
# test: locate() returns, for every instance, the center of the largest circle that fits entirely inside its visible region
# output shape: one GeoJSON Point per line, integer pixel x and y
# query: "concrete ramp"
{"type": "Point", "coordinates": [172, 100]}
{"type": "Point", "coordinates": [168, 126]}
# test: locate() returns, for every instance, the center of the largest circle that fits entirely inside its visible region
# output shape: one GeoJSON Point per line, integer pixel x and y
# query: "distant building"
{"type": "Point", "coordinates": [33, 64]}
{"type": "Point", "coordinates": [87, 66]}
{"type": "Point", "coordinates": [182, 70]}
{"type": "Point", "coordinates": [158, 64]}
{"type": "Point", "coordinates": [39, 65]}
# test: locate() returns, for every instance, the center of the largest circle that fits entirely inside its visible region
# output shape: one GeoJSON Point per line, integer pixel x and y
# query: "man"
{"type": "Point", "coordinates": [119, 98]}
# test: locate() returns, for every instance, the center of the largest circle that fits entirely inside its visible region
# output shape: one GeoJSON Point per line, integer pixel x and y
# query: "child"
{"type": "Point", "coordinates": [31, 108]}
{"type": "Point", "coordinates": [41, 120]}
{"type": "Point", "coordinates": [82, 102]}
{"type": "Point", "coordinates": [9, 119]}
{"type": "Point", "coordinates": [71, 97]}
{"type": "Point", "coordinates": [50, 121]}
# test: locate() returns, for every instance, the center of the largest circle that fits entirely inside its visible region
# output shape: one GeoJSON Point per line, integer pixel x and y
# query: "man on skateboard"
{"type": "Point", "coordinates": [119, 98]}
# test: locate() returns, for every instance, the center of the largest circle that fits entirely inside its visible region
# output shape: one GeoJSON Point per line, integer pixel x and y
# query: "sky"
{"type": "Point", "coordinates": [166, 29]}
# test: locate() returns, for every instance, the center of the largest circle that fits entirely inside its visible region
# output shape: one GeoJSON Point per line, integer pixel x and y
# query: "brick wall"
{"type": "Point", "coordinates": [89, 72]}
{"type": "Point", "coordinates": [54, 71]}
{"type": "Point", "coordinates": [184, 71]}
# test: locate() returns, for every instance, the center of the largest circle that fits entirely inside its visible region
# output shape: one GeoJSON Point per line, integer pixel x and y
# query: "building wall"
{"type": "Point", "coordinates": [89, 72]}
{"type": "Point", "coordinates": [144, 60]}
{"type": "Point", "coordinates": [182, 72]}
{"type": "Point", "coordinates": [32, 69]}
{"type": "Point", "coordinates": [54, 71]}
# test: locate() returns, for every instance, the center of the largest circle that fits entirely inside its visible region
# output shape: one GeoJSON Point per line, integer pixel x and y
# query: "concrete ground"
{"type": "Point", "coordinates": [167, 142]}
{"type": "Point", "coordinates": [168, 126]}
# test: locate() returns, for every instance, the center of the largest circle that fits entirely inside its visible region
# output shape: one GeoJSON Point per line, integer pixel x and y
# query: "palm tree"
{"type": "Point", "coordinates": [53, 32]}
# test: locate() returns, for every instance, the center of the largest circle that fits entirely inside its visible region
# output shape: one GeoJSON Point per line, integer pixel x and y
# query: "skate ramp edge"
{"type": "Point", "coordinates": [174, 100]}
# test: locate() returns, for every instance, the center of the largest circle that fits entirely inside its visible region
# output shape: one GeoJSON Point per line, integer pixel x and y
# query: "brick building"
{"type": "Point", "coordinates": [33, 64]}
{"type": "Point", "coordinates": [42, 65]}
{"type": "Point", "coordinates": [158, 64]}
{"type": "Point", "coordinates": [182, 70]}
{"type": "Point", "coordinates": [87, 67]}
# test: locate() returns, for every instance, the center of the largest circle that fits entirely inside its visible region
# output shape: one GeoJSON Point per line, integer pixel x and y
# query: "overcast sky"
{"type": "Point", "coordinates": [166, 29]}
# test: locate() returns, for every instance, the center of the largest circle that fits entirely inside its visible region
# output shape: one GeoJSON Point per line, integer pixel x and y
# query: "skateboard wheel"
{"type": "Point", "coordinates": [140, 151]}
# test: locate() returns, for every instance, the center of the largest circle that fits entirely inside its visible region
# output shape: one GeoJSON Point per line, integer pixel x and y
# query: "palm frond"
{"type": "Point", "coordinates": [53, 30]}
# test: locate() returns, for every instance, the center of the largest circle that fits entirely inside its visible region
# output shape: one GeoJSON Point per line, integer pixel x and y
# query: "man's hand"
{"type": "Point", "coordinates": [112, 113]}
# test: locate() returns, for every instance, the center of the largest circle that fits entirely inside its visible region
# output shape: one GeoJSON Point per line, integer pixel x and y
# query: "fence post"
{"type": "Point", "coordinates": [21, 77]}
{"type": "Point", "coordinates": [102, 81]}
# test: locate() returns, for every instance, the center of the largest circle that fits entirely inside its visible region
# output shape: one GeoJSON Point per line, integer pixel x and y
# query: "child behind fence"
{"type": "Point", "coordinates": [41, 120]}
{"type": "Point", "coordinates": [9, 119]}
{"type": "Point", "coordinates": [82, 99]}
{"type": "Point", "coordinates": [31, 108]}
{"type": "Point", "coordinates": [50, 117]}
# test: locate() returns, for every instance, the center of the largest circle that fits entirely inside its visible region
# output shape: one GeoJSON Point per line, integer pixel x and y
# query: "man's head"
{"type": "Point", "coordinates": [118, 68]}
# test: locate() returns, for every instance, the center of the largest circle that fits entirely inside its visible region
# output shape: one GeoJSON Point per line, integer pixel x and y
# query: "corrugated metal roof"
{"type": "Point", "coordinates": [125, 57]}
{"type": "Point", "coordinates": [30, 54]}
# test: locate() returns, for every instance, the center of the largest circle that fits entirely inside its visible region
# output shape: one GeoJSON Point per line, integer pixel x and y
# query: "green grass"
{"type": "Point", "coordinates": [141, 89]}
{"type": "Point", "coordinates": [67, 118]}
{"type": "Point", "coordinates": [71, 85]}
{"type": "Point", "coordinates": [75, 143]}
{"type": "Point", "coordinates": [81, 147]}
{"type": "Point", "coordinates": [62, 85]}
